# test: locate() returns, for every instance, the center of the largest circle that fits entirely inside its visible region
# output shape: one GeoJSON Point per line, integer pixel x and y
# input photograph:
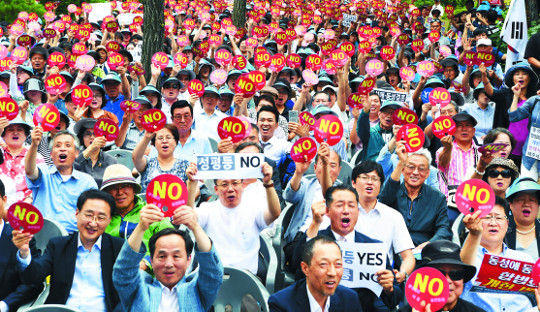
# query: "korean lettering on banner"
{"type": "Point", "coordinates": [360, 263]}
{"type": "Point", "coordinates": [505, 274]}
{"type": "Point", "coordinates": [387, 95]}
{"type": "Point", "coordinates": [229, 166]}
{"type": "Point", "coordinates": [348, 18]}
{"type": "Point", "coordinates": [533, 148]}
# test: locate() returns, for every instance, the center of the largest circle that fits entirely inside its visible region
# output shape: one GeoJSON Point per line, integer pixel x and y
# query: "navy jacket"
{"type": "Point", "coordinates": [426, 217]}
{"type": "Point", "coordinates": [294, 298]}
{"type": "Point", "coordinates": [12, 291]}
{"type": "Point", "coordinates": [368, 299]}
{"type": "Point", "coordinates": [59, 262]}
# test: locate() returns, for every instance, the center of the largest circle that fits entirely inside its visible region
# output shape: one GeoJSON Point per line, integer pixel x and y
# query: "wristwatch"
{"type": "Point", "coordinates": [271, 184]}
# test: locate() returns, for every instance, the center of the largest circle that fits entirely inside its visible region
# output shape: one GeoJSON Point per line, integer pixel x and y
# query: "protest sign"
{"type": "Point", "coordinates": [229, 166]}
{"type": "Point", "coordinates": [360, 263]}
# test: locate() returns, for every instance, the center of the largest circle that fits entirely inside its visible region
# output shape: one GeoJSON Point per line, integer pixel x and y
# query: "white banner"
{"type": "Point", "coordinates": [99, 11]}
{"type": "Point", "coordinates": [360, 263]}
{"type": "Point", "coordinates": [126, 19]}
{"type": "Point", "coordinates": [229, 166]}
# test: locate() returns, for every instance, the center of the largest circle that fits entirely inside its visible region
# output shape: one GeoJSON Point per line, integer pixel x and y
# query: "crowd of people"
{"type": "Point", "coordinates": [360, 62]}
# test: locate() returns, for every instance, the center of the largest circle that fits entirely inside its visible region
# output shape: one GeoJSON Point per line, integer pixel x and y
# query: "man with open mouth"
{"type": "Point", "coordinates": [322, 264]}
{"type": "Point", "coordinates": [56, 187]}
{"type": "Point", "coordinates": [341, 206]}
{"type": "Point", "coordinates": [423, 207]}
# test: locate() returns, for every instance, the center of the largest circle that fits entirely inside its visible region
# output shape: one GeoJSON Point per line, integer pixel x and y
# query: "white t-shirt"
{"type": "Point", "coordinates": [234, 232]}
{"type": "Point", "coordinates": [387, 225]}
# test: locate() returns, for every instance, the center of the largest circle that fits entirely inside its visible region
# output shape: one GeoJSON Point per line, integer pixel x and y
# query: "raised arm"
{"type": "Point", "coordinates": [30, 166]}
{"type": "Point", "coordinates": [138, 153]}
{"type": "Point", "coordinates": [274, 208]}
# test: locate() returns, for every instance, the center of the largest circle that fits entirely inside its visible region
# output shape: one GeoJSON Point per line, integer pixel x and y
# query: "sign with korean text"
{"type": "Point", "coordinates": [361, 261]}
{"type": "Point", "coordinates": [387, 95]}
{"type": "Point", "coordinates": [505, 274]}
{"type": "Point", "coordinates": [229, 166]}
{"type": "Point", "coordinates": [533, 148]}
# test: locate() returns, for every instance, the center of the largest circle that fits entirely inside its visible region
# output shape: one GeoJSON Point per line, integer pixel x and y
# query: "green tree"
{"type": "Point", "coordinates": [239, 13]}
{"type": "Point", "coordinates": [9, 10]}
{"type": "Point", "coordinates": [153, 32]}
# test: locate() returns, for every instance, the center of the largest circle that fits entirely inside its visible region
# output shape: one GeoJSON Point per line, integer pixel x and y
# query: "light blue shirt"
{"type": "Point", "coordinates": [207, 125]}
{"type": "Point", "coordinates": [196, 144]}
{"type": "Point", "coordinates": [497, 301]}
{"type": "Point", "coordinates": [56, 198]}
{"type": "Point", "coordinates": [275, 148]}
{"type": "Point", "coordinates": [484, 117]}
{"type": "Point", "coordinates": [87, 292]}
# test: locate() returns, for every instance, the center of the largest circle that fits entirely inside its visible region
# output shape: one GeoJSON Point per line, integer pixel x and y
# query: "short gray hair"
{"type": "Point", "coordinates": [64, 132]}
{"type": "Point", "coordinates": [423, 152]}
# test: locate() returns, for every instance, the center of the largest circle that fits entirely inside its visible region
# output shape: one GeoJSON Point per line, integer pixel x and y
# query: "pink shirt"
{"type": "Point", "coordinates": [13, 167]}
{"type": "Point", "coordinates": [456, 171]}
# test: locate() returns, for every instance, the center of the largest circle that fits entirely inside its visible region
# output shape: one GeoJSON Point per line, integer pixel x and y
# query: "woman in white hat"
{"type": "Point", "coordinates": [12, 155]}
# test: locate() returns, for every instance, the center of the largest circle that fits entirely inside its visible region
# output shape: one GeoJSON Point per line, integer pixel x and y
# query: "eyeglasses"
{"type": "Point", "coordinates": [455, 275]}
{"type": "Point", "coordinates": [118, 187]}
{"type": "Point", "coordinates": [89, 134]}
{"type": "Point", "coordinates": [97, 96]}
{"type": "Point", "coordinates": [179, 117]}
{"type": "Point", "coordinates": [497, 218]}
{"type": "Point", "coordinates": [235, 184]}
{"type": "Point", "coordinates": [111, 83]}
{"type": "Point", "coordinates": [90, 217]}
{"type": "Point", "coordinates": [174, 86]}
{"type": "Point", "coordinates": [165, 138]}
{"type": "Point", "coordinates": [412, 168]}
{"type": "Point", "coordinates": [506, 173]}
{"type": "Point", "coordinates": [366, 178]}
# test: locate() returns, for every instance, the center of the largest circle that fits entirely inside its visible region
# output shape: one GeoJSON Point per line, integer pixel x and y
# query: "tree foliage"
{"type": "Point", "coordinates": [9, 10]}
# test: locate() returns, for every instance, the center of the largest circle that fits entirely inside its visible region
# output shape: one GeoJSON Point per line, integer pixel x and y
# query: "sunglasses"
{"type": "Point", "coordinates": [454, 275]}
{"type": "Point", "coordinates": [174, 86]}
{"type": "Point", "coordinates": [506, 173]}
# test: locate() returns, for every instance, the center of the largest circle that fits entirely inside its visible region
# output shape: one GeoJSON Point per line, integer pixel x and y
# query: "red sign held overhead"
{"type": "Point", "coordinates": [47, 116]}
{"type": "Point", "coordinates": [153, 120]}
{"type": "Point", "coordinates": [8, 108]}
{"type": "Point", "coordinates": [82, 95]}
{"type": "Point", "coordinates": [195, 86]}
{"type": "Point", "coordinates": [443, 126]}
{"type": "Point", "coordinates": [232, 127]}
{"type": "Point", "coordinates": [304, 150]}
{"type": "Point", "coordinates": [328, 129]}
{"type": "Point", "coordinates": [473, 195]}
{"type": "Point", "coordinates": [413, 136]}
{"type": "Point", "coordinates": [107, 128]}
{"type": "Point", "coordinates": [168, 192]}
